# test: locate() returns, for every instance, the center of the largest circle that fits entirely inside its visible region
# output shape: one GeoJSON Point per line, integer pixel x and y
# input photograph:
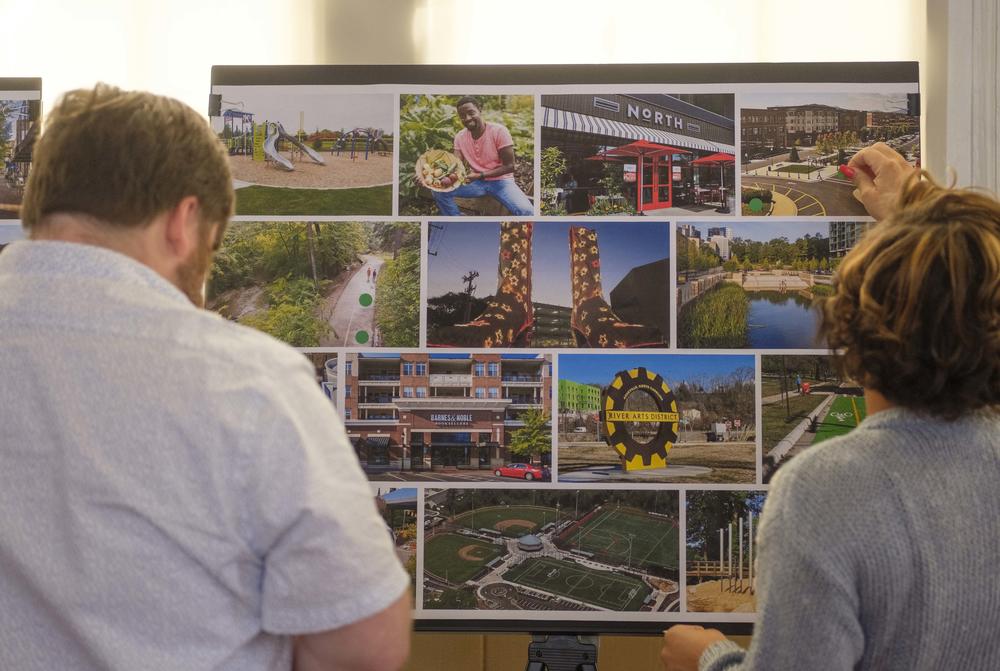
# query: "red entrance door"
{"type": "Point", "coordinates": [656, 191]}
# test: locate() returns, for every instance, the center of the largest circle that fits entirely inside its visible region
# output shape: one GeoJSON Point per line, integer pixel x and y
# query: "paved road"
{"type": "Point", "coordinates": [829, 198]}
{"type": "Point", "coordinates": [348, 316]}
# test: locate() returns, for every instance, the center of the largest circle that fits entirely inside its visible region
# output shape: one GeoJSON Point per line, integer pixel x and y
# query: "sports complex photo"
{"type": "Point", "coordinates": [793, 145]}
{"type": "Point", "coordinates": [656, 418]}
{"type": "Point", "coordinates": [553, 550]}
{"type": "Point", "coordinates": [805, 401]}
{"type": "Point", "coordinates": [721, 546]}
{"type": "Point", "coordinates": [297, 150]}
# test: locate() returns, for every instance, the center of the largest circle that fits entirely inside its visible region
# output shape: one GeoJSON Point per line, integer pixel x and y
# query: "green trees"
{"type": "Point", "coordinates": [397, 310]}
{"type": "Point", "coordinates": [553, 167]}
{"type": "Point", "coordinates": [534, 438]}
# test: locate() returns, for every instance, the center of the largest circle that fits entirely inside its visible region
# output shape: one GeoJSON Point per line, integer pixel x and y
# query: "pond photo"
{"type": "Point", "coordinates": [754, 285]}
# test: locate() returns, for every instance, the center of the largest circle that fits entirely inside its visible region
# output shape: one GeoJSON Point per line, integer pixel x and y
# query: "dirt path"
{"type": "Point", "coordinates": [338, 173]}
{"type": "Point", "coordinates": [343, 308]}
{"type": "Point", "coordinates": [240, 302]}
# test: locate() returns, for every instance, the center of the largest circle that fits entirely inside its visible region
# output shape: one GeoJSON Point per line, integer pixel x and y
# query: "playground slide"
{"type": "Point", "coordinates": [271, 151]}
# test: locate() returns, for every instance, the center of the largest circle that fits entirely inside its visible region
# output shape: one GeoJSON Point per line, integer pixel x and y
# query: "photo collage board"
{"type": "Point", "coordinates": [566, 313]}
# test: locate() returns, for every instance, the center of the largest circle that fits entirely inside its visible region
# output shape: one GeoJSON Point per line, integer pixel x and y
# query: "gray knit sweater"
{"type": "Point", "coordinates": [881, 550]}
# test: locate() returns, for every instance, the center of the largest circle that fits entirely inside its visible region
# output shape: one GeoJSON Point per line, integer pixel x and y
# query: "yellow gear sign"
{"type": "Point", "coordinates": [615, 418]}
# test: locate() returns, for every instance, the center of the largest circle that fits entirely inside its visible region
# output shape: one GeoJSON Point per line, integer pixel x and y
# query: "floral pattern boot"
{"type": "Point", "coordinates": [508, 317]}
{"type": "Point", "coordinates": [593, 322]}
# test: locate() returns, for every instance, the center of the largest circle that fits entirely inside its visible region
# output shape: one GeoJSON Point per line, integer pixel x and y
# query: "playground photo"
{"type": "Point", "coordinates": [638, 153]}
{"type": "Point", "coordinates": [551, 550]}
{"type": "Point", "coordinates": [478, 151]}
{"type": "Point", "coordinates": [331, 284]}
{"type": "Point", "coordinates": [19, 125]}
{"type": "Point", "coordinates": [398, 507]}
{"type": "Point", "coordinates": [752, 285]}
{"type": "Point", "coordinates": [548, 284]}
{"type": "Point", "coordinates": [793, 145]}
{"type": "Point", "coordinates": [721, 546]}
{"type": "Point", "coordinates": [804, 402]}
{"type": "Point", "coordinates": [656, 418]}
{"type": "Point", "coordinates": [325, 365]}
{"type": "Point", "coordinates": [304, 151]}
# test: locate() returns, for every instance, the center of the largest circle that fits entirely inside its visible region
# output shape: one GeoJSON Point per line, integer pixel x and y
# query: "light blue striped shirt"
{"type": "Point", "coordinates": [177, 492]}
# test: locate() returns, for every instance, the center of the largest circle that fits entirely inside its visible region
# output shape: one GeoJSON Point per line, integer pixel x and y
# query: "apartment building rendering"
{"type": "Point", "coordinates": [441, 412]}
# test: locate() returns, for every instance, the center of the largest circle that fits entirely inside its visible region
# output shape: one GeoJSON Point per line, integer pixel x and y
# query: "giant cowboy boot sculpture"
{"type": "Point", "coordinates": [508, 316]}
{"type": "Point", "coordinates": [593, 322]}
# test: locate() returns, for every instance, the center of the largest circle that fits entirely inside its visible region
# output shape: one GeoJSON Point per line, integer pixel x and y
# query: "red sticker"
{"type": "Point", "coordinates": [847, 171]}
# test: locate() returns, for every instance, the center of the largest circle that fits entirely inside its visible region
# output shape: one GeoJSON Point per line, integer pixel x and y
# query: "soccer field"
{"type": "Point", "coordinates": [840, 419]}
{"type": "Point", "coordinates": [600, 588]}
{"type": "Point", "coordinates": [457, 558]}
{"type": "Point", "coordinates": [511, 521]}
{"type": "Point", "coordinates": [628, 538]}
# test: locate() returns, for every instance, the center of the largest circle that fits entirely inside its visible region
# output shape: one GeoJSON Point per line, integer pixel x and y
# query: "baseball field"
{"type": "Point", "coordinates": [599, 588]}
{"type": "Point", "coordinates": [456, 558]}
{"type": "Point", "coordinates": [627, 537]}
{"type": "Point", "coordinates": [511, 521]}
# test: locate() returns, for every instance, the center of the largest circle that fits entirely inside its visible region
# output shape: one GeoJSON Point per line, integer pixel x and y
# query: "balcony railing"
{"type": "Point", "coordinates": [380, 377]}
{"type": "Point", "coordinates": [521, 378]}
{"type": "Point", "coordinates": [450, 380]}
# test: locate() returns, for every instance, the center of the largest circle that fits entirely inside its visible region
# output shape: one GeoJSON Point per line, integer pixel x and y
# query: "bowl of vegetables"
{"type": "Point", "coordinates": [440, 170]}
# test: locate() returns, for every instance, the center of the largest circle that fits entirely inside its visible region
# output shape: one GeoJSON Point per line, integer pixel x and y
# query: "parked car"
{"type": "Point", "coordinates": [523, 471]}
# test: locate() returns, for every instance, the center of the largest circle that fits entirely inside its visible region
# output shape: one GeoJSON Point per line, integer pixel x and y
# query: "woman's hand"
{"type": "Point", "coordinates": [879, 175]}
{"type": "Point", "coordinates": [683, 645]}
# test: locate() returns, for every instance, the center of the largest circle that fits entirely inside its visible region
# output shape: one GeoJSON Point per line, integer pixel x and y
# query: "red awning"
{"type": "Point", "coordinates": [715, 159]}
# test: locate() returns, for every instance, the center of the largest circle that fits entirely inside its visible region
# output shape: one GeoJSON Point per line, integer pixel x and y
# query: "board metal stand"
{"type": "Point", "coordinates": [562, 652]}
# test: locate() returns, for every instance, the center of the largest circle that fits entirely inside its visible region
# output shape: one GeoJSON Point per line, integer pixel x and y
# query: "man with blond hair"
{"type": "Point", "coordinates": [176, 491]}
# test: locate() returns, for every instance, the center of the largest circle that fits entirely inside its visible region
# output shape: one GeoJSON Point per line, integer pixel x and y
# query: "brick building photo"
{"type": "Point", "coordinates": [420, 416]}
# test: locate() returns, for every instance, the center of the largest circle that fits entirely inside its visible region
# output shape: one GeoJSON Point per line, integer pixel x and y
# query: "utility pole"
{"type": "Point", "coordinates": [470, 289]}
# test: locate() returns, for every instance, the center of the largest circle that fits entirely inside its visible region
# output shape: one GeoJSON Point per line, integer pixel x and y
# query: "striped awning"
{"type": "Point", "coordinates": [584, 123]}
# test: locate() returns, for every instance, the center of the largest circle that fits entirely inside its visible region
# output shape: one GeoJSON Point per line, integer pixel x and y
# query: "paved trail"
{"type": "Point", "coordinates": [348, 317]}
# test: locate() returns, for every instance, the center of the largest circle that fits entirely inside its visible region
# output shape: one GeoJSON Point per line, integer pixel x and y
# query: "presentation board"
{"type": "Point", "coordinates": [565, 312]}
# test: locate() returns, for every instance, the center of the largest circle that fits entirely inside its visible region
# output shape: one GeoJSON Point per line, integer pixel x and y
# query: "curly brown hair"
{"type": "Point", "coordinates": [915, 311]}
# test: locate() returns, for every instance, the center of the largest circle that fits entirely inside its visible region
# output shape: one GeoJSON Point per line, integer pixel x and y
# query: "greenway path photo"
{"type": "Point", "coordinates": [804, 402]}
{"type": "Point", "coordinates": [753, 284]}
{"type": "Point", "coordinates": [551, 550]}
{"type": "Point", "coordinates": [306, 151]}
{"type": "Point", "coordinates": [793, 145]}
{"type": "Point", "coordinates": [342, 284]}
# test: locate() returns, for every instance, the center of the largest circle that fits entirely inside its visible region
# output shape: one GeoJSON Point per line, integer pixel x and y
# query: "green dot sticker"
{"type": "Point", "coordinates": [365, 300]}
{"type": "Point", "coordinates": [361, 337]}
{"type": "Point", "coordinates": [756, 205]}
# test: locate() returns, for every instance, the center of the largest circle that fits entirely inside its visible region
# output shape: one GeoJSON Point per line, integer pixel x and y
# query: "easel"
{"type": "Point", "coordinates": [562, 652]}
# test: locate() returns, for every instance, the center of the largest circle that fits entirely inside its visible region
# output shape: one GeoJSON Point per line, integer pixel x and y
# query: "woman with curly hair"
{"type": "Point", "coordinates": [880, 549]}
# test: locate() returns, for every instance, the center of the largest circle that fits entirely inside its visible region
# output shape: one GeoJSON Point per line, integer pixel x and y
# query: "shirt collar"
{"type": "Point", "coordinates": [53, 258]}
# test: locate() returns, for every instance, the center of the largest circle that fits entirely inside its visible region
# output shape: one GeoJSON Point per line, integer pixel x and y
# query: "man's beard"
{"type": "Point", "coordinates": [192, 274]}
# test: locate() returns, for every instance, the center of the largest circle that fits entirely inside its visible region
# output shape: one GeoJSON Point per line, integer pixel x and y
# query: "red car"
{"type": "Point", "coordinates": [523, 471]}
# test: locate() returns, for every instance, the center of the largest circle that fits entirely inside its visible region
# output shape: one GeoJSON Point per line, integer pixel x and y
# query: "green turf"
{"type": "Point", "coordinates": [284, 201]}
{"type": "Point", "coordinates": [441, 557]}
{"type": "Point", "coordinates": [840, 419]}
{"type": "Point", "coordinates": [488, 518]}
{"type": "Point", "coordinates": [654, 540]}
{"type": "Point", "coordinates": [600, 588]}
{"type": "Point", "coordinates": [797, 167]}
{"type": "Point", "coordinates": [775, 422]}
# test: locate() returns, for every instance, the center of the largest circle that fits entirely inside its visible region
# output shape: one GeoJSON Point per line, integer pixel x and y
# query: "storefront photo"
{"type": "Point", "coordinates": [439, 417]}
{"type": "Point", "coordinates": [638, 154]}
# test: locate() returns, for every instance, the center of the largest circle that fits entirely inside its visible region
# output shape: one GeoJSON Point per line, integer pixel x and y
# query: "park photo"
{"type": "Point", "coordinates": [656, 418]}
{"type": "Point", "coordinates": [325, 364]}
{"type": "Point", "coordinates": [331, 284]}
{"type": "Point", "coordinates": [721, 546]}
{"type": "Point", "coordinates": [19, 126]}
{"type": "Point", "coordinates": [793, 145]}
{"type": "Point", "coordinates": [804, 401]}
{"type": "Point", "coordinates": [659, 154]}
{"type": "Point", "coordinates": [551, 550]}
{"type": "Point", "coordinates": [306, 151]}
{"type": "Point", "coordinates": [754, 285]}
{"type": "Point", "coordinates": [548, 284]}
{"type": "Point", "coordinates": [450, 417]}
{"type": "Point", "coordinates": [466, 155]}
{"type": "Point", "coordinates": [398, 508]}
